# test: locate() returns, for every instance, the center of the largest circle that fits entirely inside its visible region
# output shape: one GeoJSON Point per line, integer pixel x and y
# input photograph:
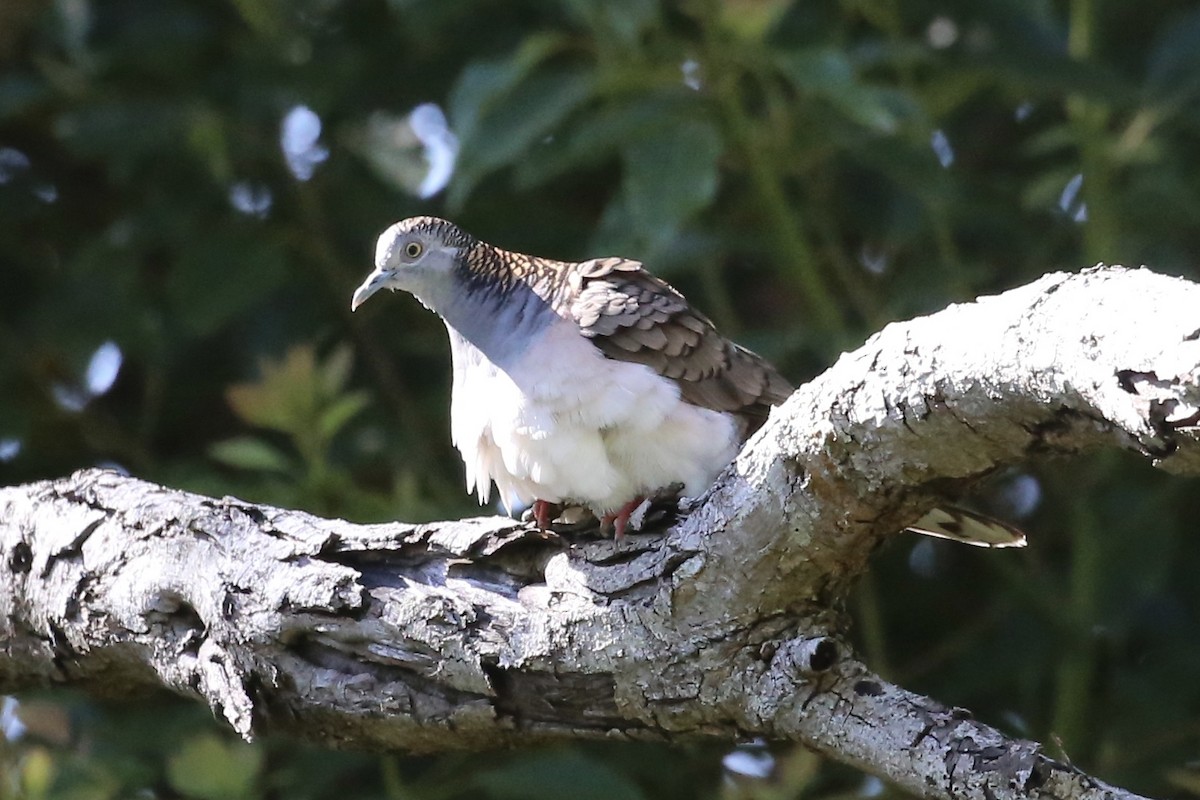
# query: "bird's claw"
{"type": "Point", "coordinates": [541, 515]}
{"type": "Point", "coordinates": [619, 519]}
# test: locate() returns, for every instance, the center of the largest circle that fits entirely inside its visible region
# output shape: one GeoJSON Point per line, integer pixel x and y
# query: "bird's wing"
{"type": "Point", "coordinates": [631, 315]}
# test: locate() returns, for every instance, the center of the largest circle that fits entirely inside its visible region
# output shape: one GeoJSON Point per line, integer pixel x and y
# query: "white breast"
{"type": "Point", "coordinates": [566, 424]}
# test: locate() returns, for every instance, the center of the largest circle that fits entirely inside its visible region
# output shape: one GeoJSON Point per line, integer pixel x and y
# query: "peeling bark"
{"type": "Point", "coordinates": [478, 632]}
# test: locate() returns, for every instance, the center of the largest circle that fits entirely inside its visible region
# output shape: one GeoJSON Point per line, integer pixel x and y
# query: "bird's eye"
{"type": "Point", "coordinates": [413, 249]}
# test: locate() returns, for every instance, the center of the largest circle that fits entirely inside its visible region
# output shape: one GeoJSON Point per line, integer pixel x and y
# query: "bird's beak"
{"type": "Point", "coordinates": [370, 286]}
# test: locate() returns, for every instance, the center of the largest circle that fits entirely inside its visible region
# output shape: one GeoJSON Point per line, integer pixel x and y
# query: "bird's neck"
{"type": "Point", "coordinates": [501, 322]}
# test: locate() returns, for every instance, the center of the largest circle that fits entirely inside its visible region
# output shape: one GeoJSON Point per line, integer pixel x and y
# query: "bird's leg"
{"type": "Point", "coordinates": [541, 514]}
{"type": "Point", "coordinates": [619, 519]}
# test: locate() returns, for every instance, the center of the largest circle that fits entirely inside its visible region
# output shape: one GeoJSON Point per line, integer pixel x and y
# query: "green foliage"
{"type": "Point", "coordinates": [298, 397]}
{"type": "Point", "coordinates": [209, 768]}
{"type": "Point", "coordinates": [550, 777]}
{"type": "Point", "coordinates": [805, 172]}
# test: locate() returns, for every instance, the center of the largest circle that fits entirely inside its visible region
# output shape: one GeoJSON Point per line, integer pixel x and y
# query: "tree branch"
{"type": "Point", "coordinates": [480, 631]}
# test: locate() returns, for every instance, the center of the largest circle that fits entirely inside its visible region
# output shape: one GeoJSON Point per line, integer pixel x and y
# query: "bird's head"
{"type": "Point", "coordinates": [417, 255]}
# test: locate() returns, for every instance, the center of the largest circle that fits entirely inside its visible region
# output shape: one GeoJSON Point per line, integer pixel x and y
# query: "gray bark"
{"type": "Point", "coordinates": [479, 632]}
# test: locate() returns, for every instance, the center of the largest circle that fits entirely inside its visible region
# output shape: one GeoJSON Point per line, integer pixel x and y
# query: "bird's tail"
{"type": "Point", "coordinates": [968, 527]}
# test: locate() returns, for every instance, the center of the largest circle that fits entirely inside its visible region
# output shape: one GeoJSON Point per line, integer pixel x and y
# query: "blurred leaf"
{"type": "Point", "coordinates": [670, 174]}
{"type": "Point", "coordinates": [597, 134]}
{"type": "Point", "coordinates": [828, 74]}
{"type": "Point", "coordinates": [210, 768]}
{"type": "Point", "coordinates": [619, 22]}
{"type": "Point", "coordinates": [248, 452]}
{"type": "Point", "coordinates": [1046, 194]}
{"type": "Point", "coordinates": [753, 20]}
{"type": "Point", "coordinates": [555, 776]}
{"type": "Point", "coordinates": [341, 411]}
{"type": "Point", "coordinates": [18, 92]}
{"type": "Point", "coordinates": [823, 70]}
{"type": "Point", "coordinates": [1186, 779]}
{"type": "Point", "coordinates": [37, 773]}
{"type": "Point", "coordinates": [285, 397]}
{"type": "Point", "coordinates": [485, 85]}
{"type": "Point", "coordinates": [124, 131]}
{"type": "Point", "coordinates": [882, 110]}
{"type": "Point", "coordinates": [1052, 140]}
{"type": "Point", "coordinates": [304, 399]}
{"type": "Point", "coordinates": [208, 138]}
{"type": "Point", "coordinates": [265, 16]}
{"type": "Point", "coordinates": [335, 370]}
{"type": "Point", "coordinates": [529, 112]}
{"type": "Point", "coordinates": [221, 275]}
{"type": "Point", "coordinates": [1173, 68]}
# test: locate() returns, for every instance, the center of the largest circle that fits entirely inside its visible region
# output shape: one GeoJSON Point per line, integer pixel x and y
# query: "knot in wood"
{"type": "Point", "coordinates": [810, 655]}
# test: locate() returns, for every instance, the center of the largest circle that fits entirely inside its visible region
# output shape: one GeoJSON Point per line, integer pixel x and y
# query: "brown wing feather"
{"type": "Point", "coordinates": [632, 315]}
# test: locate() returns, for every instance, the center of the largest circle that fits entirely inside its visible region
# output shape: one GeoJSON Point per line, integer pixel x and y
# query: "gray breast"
{"type": "Point", "coordinates": [500, 324]}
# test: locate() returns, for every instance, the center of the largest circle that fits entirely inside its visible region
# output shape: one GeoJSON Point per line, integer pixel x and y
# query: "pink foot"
{"type": "Point", "coordinates": [541, 515]}
{"type": "Point", "coordinates": [619, 519]}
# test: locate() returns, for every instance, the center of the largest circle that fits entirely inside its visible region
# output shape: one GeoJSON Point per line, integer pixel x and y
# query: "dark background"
{"type": "Point", "coordinates": [174, 299]}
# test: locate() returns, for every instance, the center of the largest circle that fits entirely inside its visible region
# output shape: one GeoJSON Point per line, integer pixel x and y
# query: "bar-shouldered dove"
{"type": "Point", "coordinates": [590, 383]}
